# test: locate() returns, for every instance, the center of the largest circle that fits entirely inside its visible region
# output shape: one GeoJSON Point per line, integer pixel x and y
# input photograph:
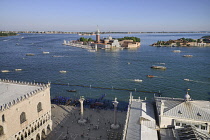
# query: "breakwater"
{"type": "Point", "coordinates": [108, 88]}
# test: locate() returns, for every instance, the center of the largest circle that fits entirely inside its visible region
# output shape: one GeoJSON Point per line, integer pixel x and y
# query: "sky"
{"type": "Point", "coordinates": [109, 15]}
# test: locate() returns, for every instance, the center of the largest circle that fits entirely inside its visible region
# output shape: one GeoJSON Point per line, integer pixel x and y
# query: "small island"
{"type": "Point", "coordinates": [105, 43]}
{"type": "Point", "coordinates": [184, 42]}
{"type": "Point", "coordinates": [4, 34]}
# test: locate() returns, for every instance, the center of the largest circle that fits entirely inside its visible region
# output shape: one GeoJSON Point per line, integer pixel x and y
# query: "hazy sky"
{"type": "Point", "coordinates": [109, 15]}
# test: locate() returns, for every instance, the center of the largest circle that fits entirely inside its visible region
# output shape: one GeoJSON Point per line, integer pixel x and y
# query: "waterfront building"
{"type": "Point", "coordinates": [25, 110]}
{"type": "Point", "coordinates": [107, 43]}
{"type": "Point", "coordinates": [178, 113]}
{"type": "Point", "coordinates": [129, 44]}
{"type": "Point", "coordinates": [140, 122]}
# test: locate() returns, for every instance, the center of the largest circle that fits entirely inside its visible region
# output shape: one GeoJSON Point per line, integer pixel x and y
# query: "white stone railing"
{"type": "Point", "coordinates": [127, 119]}
{"type": "Point", "coordinates": [27, 95]}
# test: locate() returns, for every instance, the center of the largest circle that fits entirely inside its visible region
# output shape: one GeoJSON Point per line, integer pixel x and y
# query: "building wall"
{"type": "Point", "coordinates": [36, 122]}
{"type": "Point", "coordinates": [133, 45]}
{"type": "Point", "coordinates": [129, 44]}
{"type": "Point", "coordinates": [166, 121]}
{"type": "Point", "coordinates": [116, 43]}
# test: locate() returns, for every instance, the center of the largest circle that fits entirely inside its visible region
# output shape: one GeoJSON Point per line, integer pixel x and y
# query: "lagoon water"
{"type": "Point", "coordinates": [105, 68]}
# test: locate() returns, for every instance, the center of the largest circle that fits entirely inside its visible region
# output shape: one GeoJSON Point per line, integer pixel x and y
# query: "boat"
{"type": "Point", "coordinates": [150, 76]}
{"type": "Point", "coordinates": [158, 67]}
{"type": "Point", "coordinates": [30, 54]}
{"type": "Point", "coordinates": [45, 52]}
{"type": "Point", "coordinates": [71, 90]}
{"type": "Point", "coordinates": [187, 79]}
{"type": "Point", "coordinates": [138, 80]}
{"type": "Point", "coordinates": [62, 71]}
{"type": "Point", "coordinates": [187, 55]}
{"type": "Point", "coordinates": [5, 71]}
{"type": "Point", "coordinates": [64, 42]}
{"type": "Point", "coordinates": [177, 51]}
{"type": "Point", "coordinates": [18, 69]}
{"type": "Point", "coordinates": [92, 50]}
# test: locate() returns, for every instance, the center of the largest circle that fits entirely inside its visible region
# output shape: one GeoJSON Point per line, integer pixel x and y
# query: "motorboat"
{"type": "Point", "coordinates": [18, 69]}
{"type": "Point", "coordinates": [92, 50]}
{"type": "Point", "coordinates": [158, 67]}
{"type": "Point", "coordinates": [188, 55]}
{"type": "Point", "coordinates": [63, 71]}
{"type": "Point", "coordinates": [150, 76]}
{"type": "Point", "coordinates": [64, 42]}
{"type": "Point", "coordinates": [138, 80]}
{"type": "Point", "coordinates": [45, 52]}
{"type": "Point", "coordinates": [30, 54]}
{"type": "Point", "coordinates": [187, 79]}
{"type": "Point", "coordinates": [5, 71]}
{"type": "Point", "coordinates": [177, 51]}
{"type": "Point", "coordinates": [71, 90]}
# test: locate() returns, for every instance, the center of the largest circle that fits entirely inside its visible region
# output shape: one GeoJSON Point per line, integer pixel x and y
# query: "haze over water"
{"type": "Point", "coordinates": [106, 68]}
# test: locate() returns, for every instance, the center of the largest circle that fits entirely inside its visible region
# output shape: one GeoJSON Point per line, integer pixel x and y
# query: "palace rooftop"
{"type": "Point", "coordinates": [14, 91]}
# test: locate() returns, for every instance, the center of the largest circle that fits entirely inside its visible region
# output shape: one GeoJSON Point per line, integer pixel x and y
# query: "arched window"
{"type": "Point", "coordinates": [3, 118]}
{"type": "Point", "coordinates": [22, 117]}
{"type": "Point", "coordinates": [1, 130]}
{"type": "Point", "coordinates": [39, 107]}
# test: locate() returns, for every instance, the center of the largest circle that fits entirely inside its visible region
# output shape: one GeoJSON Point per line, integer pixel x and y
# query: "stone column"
{"type": "Point", "coordinates": [82, 120]}
{"type": "Point", "coordinates": [115, 125]}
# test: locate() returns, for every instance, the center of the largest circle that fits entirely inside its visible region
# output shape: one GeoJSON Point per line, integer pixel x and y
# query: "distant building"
{"type": "Point", "coordinates": [129, 44]}
{"type": "Point", "coordinates": [25, 110]}
{"type": "Point", "coordinates": [107, 43]}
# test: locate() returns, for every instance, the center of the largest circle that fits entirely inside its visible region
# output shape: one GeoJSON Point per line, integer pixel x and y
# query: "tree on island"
{"type": "Point", "coordinates": [7, 34]}
{"type": "Point", "coordinates": [188, 40]}
{"type": "Point", "coordinates": [135, 39]}
{"type": "Point", "coordinates": [206, 39]}
{"type": "Point", "coordinates": [85, 39]}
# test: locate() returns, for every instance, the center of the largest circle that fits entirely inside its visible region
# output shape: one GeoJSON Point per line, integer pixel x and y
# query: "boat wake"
{"type": "Point", "coordinates": [196, 81]}
{"type": "Point", "coordinates": [59, 56]}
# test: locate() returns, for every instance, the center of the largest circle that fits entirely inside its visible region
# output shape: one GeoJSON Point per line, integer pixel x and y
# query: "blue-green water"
{"type": "Point", "coordinates": [108, 68]}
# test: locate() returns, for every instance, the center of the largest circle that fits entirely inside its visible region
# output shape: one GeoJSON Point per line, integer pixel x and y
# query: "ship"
{"type": "Point", "coordinates": [158, 67]}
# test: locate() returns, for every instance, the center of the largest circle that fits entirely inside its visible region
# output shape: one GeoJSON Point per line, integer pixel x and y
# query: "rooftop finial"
{"type": "Point", "coordinates": [187, 96]}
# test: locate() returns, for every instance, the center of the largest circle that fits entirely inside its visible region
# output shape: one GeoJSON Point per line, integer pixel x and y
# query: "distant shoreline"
{"type": "Point", "coordinates": [91, 33]}
{"type": "Point", "coordinates": [9, 35]}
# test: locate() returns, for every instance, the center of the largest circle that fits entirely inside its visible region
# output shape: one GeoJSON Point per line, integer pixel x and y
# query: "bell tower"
{"type": "Point", "coordinates": [97, 35]}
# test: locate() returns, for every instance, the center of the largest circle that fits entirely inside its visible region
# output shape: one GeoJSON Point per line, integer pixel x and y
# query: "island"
{"type": "Point", "coordinates": [3, 34]}
{"type": "Point", "coordinates": [184, 42]}
{"type": "Point", "coordinates": [105, 43]}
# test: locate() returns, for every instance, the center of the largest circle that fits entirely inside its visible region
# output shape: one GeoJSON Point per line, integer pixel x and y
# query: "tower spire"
{"type": "Point", "coordinates": [98, 31]}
